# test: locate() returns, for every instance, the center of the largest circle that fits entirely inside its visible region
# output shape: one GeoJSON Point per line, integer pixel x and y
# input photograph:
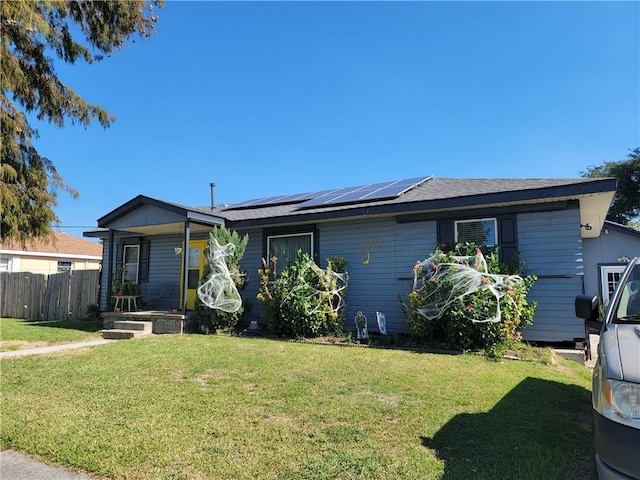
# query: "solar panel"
{"type": "Point", "coordinates": [373, 191]}
{"type": "Point", "coordinates": [376, 191]}
{"type": "Point", "coordinates": [272, 201]}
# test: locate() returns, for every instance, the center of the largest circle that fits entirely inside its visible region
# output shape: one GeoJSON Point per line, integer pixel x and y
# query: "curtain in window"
{"type": "Point", "coordinates": [286, 248]}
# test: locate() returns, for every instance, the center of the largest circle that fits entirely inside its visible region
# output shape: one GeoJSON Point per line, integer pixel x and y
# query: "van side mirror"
{"type": "Point", "coordinates": [588, 307]}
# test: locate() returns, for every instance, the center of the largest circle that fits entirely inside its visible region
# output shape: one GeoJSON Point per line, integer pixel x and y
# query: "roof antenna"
{"type": "Point", "coordinates": [212, 186]}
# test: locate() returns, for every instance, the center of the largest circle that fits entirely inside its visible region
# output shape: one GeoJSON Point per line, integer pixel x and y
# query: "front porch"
{"type": "Point", "coordinates": [161, 321]}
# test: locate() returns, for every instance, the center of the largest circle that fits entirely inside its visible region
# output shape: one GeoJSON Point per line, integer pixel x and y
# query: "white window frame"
{"type": "Point", "coordinates": [281, 267]}
{"type": "Point", "coordinates": [607, 288]}
{"type": "Point", "coordinates": [126, 275]}
{"type": "Point", "coordinates": [488, 219]}
{"type": "Point", "coordinates": [5, 261]}
{"type": "Point", "coordinates": [65, 266]}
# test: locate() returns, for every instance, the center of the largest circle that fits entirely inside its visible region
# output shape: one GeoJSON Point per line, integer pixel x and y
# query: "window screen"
{"type": "Point", "coordinates": [481, 232]}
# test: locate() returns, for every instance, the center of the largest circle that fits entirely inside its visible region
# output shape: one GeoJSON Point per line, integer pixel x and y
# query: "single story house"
{"type": "Point", "coordinates": [381, 230]}
{"type": "Point", "coordinates": [61, 253]}
{"type": "Point", "coordinates": [606, 256]}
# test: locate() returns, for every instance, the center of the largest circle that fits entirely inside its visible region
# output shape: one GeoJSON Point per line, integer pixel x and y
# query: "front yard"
{"type": "Point", "coordinates": [215, 407]}
{"type": "Point", "coordinates": [17, 334]}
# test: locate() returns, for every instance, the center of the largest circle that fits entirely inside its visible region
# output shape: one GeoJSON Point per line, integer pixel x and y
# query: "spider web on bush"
{"type": "Point", "coordinates": [444, 282]}
{"type": "Point", "coordinates": [219, 292]}
{"type": "Point", "coordinates": [330, 285]}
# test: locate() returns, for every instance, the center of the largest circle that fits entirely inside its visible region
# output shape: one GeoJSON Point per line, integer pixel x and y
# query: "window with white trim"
{"type": "Point", "coordinates": [483, 231]}
{"type": "Point", "coordinates": [130, 258]}
{"type": "Point", "coordinates": [64, 266]}
{"type": "Point", "coordinates": [609, 278]}
{"type": "Point", "coordinates": [285, 248]}
{"type": "Point", "coordinates": [5, 264]}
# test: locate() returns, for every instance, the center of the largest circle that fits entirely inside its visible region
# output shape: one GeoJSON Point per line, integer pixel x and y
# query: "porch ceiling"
{"type": "Point", "coordinates": [167, 229]}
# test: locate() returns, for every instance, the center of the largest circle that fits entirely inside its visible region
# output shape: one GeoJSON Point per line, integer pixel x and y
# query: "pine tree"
{"type": "Point", "coordinates": [31, 32]}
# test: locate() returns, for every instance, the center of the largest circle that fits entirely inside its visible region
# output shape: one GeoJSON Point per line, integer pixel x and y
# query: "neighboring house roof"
{"type": "Point", "coordinates": [60, 245]}
{"type": "Point", "coordinates": [622, 228]}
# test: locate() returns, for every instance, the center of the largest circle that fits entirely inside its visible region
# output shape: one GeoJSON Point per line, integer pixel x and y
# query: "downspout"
{"type": "Point", "coordinates": [185, 266]}
{"type": "Point", "coordinates": [110, 269]}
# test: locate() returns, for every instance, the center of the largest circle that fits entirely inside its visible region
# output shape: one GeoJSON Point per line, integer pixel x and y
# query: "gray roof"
{"type": "Point", "coordinates": [435, 194]}
{"type": "Point", "coordinates": [622, 228]}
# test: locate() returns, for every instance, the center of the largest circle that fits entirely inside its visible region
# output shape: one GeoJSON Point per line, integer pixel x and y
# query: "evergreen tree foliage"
{"type": "Point", "coordinates": [208, 320]}
{"type": "Point", "coordinates": [626, 203]}
{"type": "Point", "coordinates": [32, 34]}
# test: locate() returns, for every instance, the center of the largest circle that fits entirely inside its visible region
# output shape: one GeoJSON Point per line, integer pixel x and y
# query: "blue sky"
{"type": "Point", "coordinates": [267, 98]}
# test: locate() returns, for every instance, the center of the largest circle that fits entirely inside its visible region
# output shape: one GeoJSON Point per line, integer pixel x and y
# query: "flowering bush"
{"type": "Point", "coordinates": [304, 301]}
{"type": "Point", "coordinates": [464, 298]}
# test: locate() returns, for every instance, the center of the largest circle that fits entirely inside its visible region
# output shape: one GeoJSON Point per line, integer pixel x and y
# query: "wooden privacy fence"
{"type": "Point", "coordinates": [34, 296]}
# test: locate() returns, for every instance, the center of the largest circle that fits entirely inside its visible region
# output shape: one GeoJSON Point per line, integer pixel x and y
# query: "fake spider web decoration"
{"type": "Point", "coordinates": [443, 283]}
{"type": "Point", "coordinates": [330, 285]}
{"type": "Point", "coordinates": [219, 292]}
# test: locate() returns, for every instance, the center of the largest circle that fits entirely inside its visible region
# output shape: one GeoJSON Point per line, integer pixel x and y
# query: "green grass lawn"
{"type": "Point", "coordinates": [17, 333]}
{"type": "Point", "coordinates": [216, 407]}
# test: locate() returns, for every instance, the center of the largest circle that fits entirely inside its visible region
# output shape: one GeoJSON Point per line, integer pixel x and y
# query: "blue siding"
{"type": "Point", "coordinates": [165, 267]}
{"type": "Point", "coordinates": [380, 284]}
{"type": "Point", "coordinates": [373, 286]}
{"type": "Point", "coordinates": [606, 249]}
{"type": "Point", "coordinates": [549, 244]}
{"type": "Point", "coordinates": [551, 248]}
{"type": "Point", "coordinates": [250, 263]}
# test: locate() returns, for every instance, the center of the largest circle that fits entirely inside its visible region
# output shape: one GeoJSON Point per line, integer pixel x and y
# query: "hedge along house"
{"type": "Point", "coordinates": [381, 230]}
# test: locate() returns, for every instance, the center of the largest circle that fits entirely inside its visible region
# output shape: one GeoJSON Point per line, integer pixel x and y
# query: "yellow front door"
{"type": "Point", "coordinates": [195, 267]}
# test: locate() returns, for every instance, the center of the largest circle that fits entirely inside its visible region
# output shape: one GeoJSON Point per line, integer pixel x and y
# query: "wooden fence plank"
{"type": "Point", "coordinates": [35, 296]}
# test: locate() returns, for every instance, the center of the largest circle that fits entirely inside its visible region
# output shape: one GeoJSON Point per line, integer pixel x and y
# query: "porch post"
{"type": "Point", "coordinates": [110, 268]}
{"type": "Point", "coordinates": [185, 266]}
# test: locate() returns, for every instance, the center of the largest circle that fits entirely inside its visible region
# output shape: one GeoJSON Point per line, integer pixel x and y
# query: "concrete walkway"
{"type": "Point", "coordinates": [53, 348]}
{"type": "Point", "coordinates": [16, 466]}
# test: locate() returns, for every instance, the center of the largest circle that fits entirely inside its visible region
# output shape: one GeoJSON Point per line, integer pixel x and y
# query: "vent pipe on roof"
{"type": "Point", "coordinates": [212, 186]}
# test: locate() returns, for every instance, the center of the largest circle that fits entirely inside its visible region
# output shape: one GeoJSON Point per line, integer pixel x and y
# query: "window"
{"type": "Point", "coordinates": [609, 277]}
{"type": "Point", "coordinates": [64, 266]}
{"type": "Point", "coordinates": [131, 254]}
{"type": "Point", "coordinates": [193, 268]}
{"type": "Point", "coordinates": [285, 248]}
{"type": "Point", "coordinates": [481, 232]}
{"type": "Point", "coordinates": [5, 265]}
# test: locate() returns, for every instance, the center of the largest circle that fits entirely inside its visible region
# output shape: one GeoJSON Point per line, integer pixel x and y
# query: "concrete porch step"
{"type": "Point", "coordinates": [136, 325]}
{"type": "Point", "coordinates": [126, 329]}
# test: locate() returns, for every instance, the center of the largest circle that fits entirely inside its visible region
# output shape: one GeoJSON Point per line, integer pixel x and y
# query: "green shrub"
{"type": "Point", "coordinates": [459, 291]}
{"type": "Point", "coordinates": [208, 320]}
{"type": "Point", "coordinates": [304, 301]}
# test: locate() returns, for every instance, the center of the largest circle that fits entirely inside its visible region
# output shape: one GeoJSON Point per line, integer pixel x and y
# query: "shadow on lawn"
{"type": "Point", "coordinates": [71, 324]}
{"type": "Point", "coordinates": [540, 429]}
